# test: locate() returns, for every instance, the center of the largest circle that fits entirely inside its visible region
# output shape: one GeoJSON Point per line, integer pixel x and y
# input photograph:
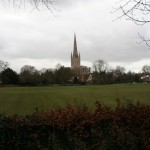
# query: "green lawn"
{"type": "Point", "coordinates": [23, 100]}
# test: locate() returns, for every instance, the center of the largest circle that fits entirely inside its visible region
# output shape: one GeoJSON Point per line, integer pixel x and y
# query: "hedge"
{"type": "Point", "coordinates": [123, 128]}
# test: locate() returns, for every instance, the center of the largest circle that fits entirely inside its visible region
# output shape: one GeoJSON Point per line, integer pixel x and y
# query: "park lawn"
{"type": "Point", "coordinates": [24, 100]}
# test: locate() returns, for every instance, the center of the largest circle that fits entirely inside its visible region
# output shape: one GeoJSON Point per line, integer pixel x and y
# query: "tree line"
{"type": "Point", "coordinates": [29, 75]}
{"type": "Point", "coordinates": [102, 74]}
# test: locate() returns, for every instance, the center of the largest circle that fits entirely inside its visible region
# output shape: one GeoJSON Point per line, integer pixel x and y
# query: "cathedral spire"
{"type": "Point", "coordinates": [75, 56]}
{"type": "Point", "coordinates": [75, 51]}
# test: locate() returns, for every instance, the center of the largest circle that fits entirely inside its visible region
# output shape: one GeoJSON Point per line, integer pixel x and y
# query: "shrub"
{"type": "Point", "coordinates": [125, 127]}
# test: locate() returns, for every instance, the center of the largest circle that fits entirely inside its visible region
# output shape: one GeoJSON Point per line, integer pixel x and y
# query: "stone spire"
{"type": "Point", "coordinates": [75, 56]}
{"type": "Point", "coordinates": [75, 51]}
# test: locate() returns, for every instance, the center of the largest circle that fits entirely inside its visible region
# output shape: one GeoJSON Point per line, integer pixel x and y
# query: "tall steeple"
{"type": "Point", "coordinates": [75, 51]}
{"type": "Point", "coordinates": [75, 56]}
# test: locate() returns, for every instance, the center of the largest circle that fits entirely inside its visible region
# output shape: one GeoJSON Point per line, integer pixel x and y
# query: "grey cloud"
{"type": "Point", "coordinates": [41, 36]}
{"type": "Point", "coordinates": [70, 3]}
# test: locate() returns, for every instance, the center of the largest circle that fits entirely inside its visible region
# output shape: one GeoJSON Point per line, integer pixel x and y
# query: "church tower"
{"type": "Point", "coordinates": [75, 56]}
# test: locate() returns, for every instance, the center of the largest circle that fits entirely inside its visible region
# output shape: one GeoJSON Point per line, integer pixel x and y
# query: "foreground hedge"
{"type": "Point", "coordinates": [126, 127]}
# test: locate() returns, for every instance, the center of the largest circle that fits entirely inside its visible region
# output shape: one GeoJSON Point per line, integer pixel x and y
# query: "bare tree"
{"type": "Point", "coordinates": [27, 69]}
{"type": "Point", "coordinates": [100, 66]}
{"type": "Point", "coordinates": [119, 71]}
{"type": "Point", "coordinates": [146, 69]}
{"type": "Point", "coordinates": [49, 4]}
{"type": "Point", "coordinates": [146, 41]}
{"type": "Point", "coordinates": [3, 65]}
{"type": "Point", "coordinates": [137, 11]}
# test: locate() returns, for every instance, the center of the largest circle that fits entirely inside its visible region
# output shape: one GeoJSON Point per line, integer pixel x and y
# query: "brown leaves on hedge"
{"type": "Point", "coordinates": [126, 127]}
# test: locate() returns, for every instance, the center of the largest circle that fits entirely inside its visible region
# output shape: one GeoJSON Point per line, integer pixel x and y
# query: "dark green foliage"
{"type": "Point", "coordinates": [114, 76]}
{"type": "Point", "coordinates": [126, 127]}
{"type": "Point", "coordinates": [47, 77]}
{"type": "Point", "coordinates": [8, 76]}
{"type": "Point", "coordinates": [75, 80]}
{"type": "Point", "coordinates": [103, 78]}
{"type": "Point", "coordinates": [62, 75]}
{"type": "Point", "coordinates": [29, 76]}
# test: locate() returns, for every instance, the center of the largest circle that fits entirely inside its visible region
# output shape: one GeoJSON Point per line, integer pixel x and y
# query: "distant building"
{"type": "Point", "coordinates": [82, 73]}
{"type": "Point", "coordinates": [146, 78]}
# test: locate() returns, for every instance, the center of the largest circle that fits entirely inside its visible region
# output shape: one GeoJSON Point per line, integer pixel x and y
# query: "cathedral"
{"type": "Point", "coordinates": [81, 72]}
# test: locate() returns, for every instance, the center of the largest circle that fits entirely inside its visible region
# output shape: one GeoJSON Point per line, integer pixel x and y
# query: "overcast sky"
{"type": "Point", "coordinates": [44, 39]}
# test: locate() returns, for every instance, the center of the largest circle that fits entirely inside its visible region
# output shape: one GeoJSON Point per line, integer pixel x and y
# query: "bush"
{"type": "Point", "coordinates": [126, 127]}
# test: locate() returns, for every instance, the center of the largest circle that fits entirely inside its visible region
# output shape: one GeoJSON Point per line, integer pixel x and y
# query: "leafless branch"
{"type": "Point", "coordinates": [135, 10]}
{"type": "Point", "coordinates": [146, 41]}
{"type": "Point", "coordinates": [48, 4]}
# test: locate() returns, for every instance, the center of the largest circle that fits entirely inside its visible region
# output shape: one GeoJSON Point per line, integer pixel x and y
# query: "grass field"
{"type": "Point", "coordinates": [24, 100]}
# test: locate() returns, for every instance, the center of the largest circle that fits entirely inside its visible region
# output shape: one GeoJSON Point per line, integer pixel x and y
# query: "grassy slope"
{"type": "Point", "coordinates": [22, 100]}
